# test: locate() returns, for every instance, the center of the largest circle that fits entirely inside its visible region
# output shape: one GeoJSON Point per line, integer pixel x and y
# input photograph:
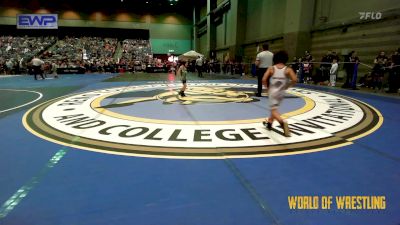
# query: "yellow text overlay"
{"type": "Point", "coordinates": [349, 202]}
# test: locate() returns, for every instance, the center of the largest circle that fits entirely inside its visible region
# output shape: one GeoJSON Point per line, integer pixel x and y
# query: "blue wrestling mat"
{"type": "Point", "coordinates": [80, 151]}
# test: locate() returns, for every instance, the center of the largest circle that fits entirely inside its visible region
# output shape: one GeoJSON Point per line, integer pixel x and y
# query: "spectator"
{"type": "Point", "coordinates": [394, 75]}
{"type": "Point", "coordinates": [9, 66]}
{"type": "Point", "coordinates": [54, 68]}
{"type": "Point", "coordinates": [307, 66]}
{"type": "Point", "coordinates": [335, 56]}
{"type": "Point", "coordinates": [325, 67]}
{"type": "Point", "coordinates": [378, 70]}
{"type": "Point", "coordinates": [308, 57]}
{"type": "Point", "coordinates": [349, 66]}
{"type": "Point", "coordinates": [199, 66]}
{"type": "Point", "coordinates": [333, 73]}
{"type": "Point", "coordinates": [300, 72]}
{"type": "Point", "coordinates": [307, 71]}
{"type": "Point", "coordinates": [294, 64]}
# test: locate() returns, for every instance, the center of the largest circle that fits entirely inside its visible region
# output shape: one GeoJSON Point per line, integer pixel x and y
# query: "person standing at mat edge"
{"type": "Point", "coordinates": [37, 67]}
{"type": "Point", "coordinates": [263, 61]}
{"type": "Point", "coordinates": [199, 66]}
{"type": "Point", "coordinates": [182, 71]}
{"type": "Point", "coordinates": [276, 80]}
{"type": "Point", "coordinates": [333, 73]}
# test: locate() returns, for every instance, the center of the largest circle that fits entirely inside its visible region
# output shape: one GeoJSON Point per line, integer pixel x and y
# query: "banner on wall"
{"type": "Point", "coordinates": [37, 21]}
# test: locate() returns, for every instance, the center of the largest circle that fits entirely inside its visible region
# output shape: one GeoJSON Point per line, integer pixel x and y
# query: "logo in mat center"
{"type": "Point", "coordinates": [215, 120]}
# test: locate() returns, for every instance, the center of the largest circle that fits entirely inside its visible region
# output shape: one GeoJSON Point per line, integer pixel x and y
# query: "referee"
{"type": "Point", "coordinates": [37, 67]}
{"type": "Point", "coordinates": [263, 61]}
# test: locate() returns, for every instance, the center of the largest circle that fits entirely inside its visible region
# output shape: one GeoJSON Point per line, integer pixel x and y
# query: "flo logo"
{"type": "Point", "coordinates": [370, 15]}
{"type": "Point", "coordinates": [215, 120]}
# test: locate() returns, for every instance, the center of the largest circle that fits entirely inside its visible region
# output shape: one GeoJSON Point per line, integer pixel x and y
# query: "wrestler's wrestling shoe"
{"type": "Point", "coordinates": [286, 130]}
{"type": "Point", "coordinates": [268, 125]}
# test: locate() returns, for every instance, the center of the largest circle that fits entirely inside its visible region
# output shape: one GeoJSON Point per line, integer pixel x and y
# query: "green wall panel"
{"type": "Point", "coordinates": [220, 35]}
{"type": "Point", "coordinates": [163, 46]}
{"type": "Point", "coordinates": [344, 10]}
{"type": "Point", "coordinates": [170, 31]}
{"type": "Point", "coordinates": [265, 18]}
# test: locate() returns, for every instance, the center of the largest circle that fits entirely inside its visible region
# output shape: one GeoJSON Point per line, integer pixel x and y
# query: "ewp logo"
{"type": "Point", "coordinates": [37, 21]}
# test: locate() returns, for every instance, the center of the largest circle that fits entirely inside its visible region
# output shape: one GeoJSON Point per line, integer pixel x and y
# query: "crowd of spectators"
{"type": "Point", "coordinates": [384, 74]}
{"type": "Point", "coordinates": [374, 78]}
{"type": "Point", "coordinates": [94, 54]}
{"type": "Point", "coordinates": [136, 54]}
{"type": "Point", "coordinates": [384, 65]}
{"type": "Point", "coordinates": [215, 66]}
{"type": "Point", "coordinates": [16, 52]}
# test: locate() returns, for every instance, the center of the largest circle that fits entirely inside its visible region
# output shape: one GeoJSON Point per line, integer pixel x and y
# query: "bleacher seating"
{"type": "Point", "coordinates": [15, 52]}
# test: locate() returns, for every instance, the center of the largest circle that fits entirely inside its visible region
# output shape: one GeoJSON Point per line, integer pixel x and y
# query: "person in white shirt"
{"type": "Point", "coordinates": [333, 73]}
{"type": "Point", "coordinates": [199, 66]}
{"type": "Point", "coordinates": [263, 61]}
{"type": "Point", "coordinates": [37, 67]}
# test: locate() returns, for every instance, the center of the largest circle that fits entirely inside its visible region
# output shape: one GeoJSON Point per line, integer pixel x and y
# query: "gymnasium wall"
{"type": "Point", "coordinates": [340, 29]}
{"type": "Point", "coordinates": [221, 34]}
{"type": "Point", "coordinates": [265, 19]}
{"type": "Point", "coordinates": [343, 11]}
{"type": "Point", "coordinates": [202, 44]}
{"type": "Point", "coordinates": [367, 39]}
{"type": "Point", "coordinates": [225, 31]}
